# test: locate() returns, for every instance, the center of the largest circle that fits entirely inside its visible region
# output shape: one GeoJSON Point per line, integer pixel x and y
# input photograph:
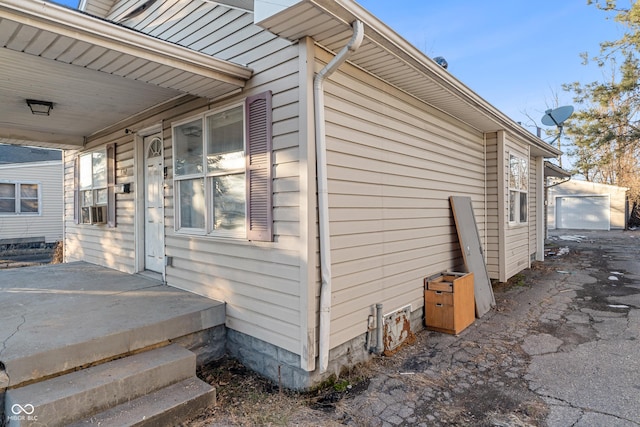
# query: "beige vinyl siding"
{"type": "Point", "coordinates": [516, 244]}
{"type": "Point", "coordinates": [68, 205]}
{"type": "Point", "coordinates": [99, 7]}
{"type": "Point", "coordinates": [215, 30]}
{"type": "Point", "coordinates": [252, 278]}
{"type": "Point", "coordinates": [260, 282]}
{"type": "Point", "coordinates": [533, 205]}
{"type": "Point", "coordinates": [392, 164]}
{"type": "Point", "coordinates": [99, 244]}
{"type": "Point", "coordinates": [492, 252]}
{"type": "Point", "coordinates": [48, 223]}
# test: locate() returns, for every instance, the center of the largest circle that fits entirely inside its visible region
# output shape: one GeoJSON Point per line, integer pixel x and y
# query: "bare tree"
{"type": "Point", "coordinates": [604, 132]}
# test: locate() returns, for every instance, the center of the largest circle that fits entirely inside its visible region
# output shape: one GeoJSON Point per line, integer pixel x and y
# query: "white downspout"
{"type": "Point", "coordinates": [486, 207]}
{"type": "Point", "coordinates": [323, 197]}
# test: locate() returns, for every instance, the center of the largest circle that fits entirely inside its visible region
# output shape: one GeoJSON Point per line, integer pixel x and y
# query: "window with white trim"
{"type": "Point", "coordinates": [222, 171]}
{"type": "Point", "coordinates": [518, 189]}
{"type": "Point", "coordinates": [94, 179]}
{"type": "Point", "coordinates": [93, 184]}
{"type": "Point", "coordinates": [19, 198]}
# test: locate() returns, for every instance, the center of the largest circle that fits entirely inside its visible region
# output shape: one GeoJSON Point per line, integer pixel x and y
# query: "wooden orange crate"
{"type": "Point", "coordinates": [449, 302]}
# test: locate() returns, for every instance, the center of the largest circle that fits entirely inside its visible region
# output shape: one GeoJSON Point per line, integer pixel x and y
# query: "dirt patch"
{"type": "Point", "coordinates": [524, 279]}
{"type": "Point", "coordinates": [245, 398]}
{"type": "Point", "coordinates": [571, 335]}
{"type": "Point", "coordinates": [58, 253]}
{"type": "Point", "coordinates": [490, 405]}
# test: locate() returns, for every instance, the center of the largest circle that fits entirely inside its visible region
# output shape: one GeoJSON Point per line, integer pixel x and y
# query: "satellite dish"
{"type": "Point", "coordinates": [441, 62]}
{"type": "Point", "coordinates": [557, 116]}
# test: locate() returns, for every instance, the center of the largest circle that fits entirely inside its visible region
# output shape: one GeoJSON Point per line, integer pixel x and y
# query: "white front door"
{"type": "Point", "coordinates": [153, 203]}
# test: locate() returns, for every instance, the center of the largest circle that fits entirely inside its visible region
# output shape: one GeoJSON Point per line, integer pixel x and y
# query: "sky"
{"type": "Point", "coordinates": [516, 54]}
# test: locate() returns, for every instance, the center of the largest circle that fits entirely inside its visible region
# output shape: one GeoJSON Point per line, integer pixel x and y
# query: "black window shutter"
{"type": "Point", "coordinates": [258, 171]}
{"type": "Point", "coordinates": [111, 185]}
{"type": "Point", "coordinates": [76, 190]}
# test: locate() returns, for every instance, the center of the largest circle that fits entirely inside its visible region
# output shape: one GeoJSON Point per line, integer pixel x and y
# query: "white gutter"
{"type": "Point", "coordinates": [323, 197]}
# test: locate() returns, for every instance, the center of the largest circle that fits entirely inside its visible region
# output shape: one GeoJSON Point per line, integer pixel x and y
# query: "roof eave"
{"type": "Point", "coordinates": [346, 11]}
{"type": "Point", "coordinates": [551, 170]}
{"type": "Point", "coordinates": [61, 20]}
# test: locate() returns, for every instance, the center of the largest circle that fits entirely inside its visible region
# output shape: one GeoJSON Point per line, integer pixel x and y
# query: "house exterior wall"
{"type": "Point", "coordinates": [617, 198]}
{"type": "Point", "coordinates": [494, 217]}
{"type": "Point", "coordinates": [393, 162]}
{"type": "Point", "coordinates": [516, 256]}
{"type": "Point", "coordinates": [516, 245]}
{"type": "Point", "coordinates": [262, 283]}
{"type": "Point", "coordinates": [533, 203]}
{"type": "Point", "coordinates": [226, 33]}
{"type": "Point", "coordinates": [97, 244]}
{"type": "Point", "coordinates": [46, 224]}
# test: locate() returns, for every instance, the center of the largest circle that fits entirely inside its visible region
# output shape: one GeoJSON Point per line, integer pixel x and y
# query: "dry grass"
{"type": "Point", "coordinates": [58, 254]}
{"type": "Point", "coordinates": [245, 398]}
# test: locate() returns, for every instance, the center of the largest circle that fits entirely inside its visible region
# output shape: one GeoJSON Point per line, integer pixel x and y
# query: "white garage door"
{"type": "Point", "coordinates": [583, 212]}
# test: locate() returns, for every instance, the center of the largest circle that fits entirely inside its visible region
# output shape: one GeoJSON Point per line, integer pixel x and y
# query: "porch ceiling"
{"type": "Point", "coordinates": [95, 72]}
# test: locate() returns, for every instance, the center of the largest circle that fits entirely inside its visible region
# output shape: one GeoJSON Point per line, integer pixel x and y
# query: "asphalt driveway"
{"type": "Point", "coordinates": [587, 364]}
{"type": "Point", "coordinates": [561, 349]}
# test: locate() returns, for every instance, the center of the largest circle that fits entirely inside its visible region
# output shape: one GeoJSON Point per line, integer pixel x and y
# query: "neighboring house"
{"type": "Point", "coordinates": [31, 201]}
{"type": "Point", "coordinates": [586, 205]}
{"type": "Point", "coordinates": [195, 134]}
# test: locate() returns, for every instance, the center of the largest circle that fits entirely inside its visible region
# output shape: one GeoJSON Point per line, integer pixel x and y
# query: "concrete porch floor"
{"type": "Point", "coordinates": [55, 318]}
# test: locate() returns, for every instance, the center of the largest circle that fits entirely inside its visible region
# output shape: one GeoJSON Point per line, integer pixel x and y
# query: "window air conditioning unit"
{"type": "Point", "coordinates": [98, 214]}
{"type": "Point", "coordinates": [94, 215]}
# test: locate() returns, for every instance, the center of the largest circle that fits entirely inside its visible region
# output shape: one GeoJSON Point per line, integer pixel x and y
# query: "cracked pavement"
{"type": "Point", "coordinates": [593, 377]}
{"type": "Point", "coordinates": [4, 341]}
{"type": "Point", "coordinates": [562, 348]}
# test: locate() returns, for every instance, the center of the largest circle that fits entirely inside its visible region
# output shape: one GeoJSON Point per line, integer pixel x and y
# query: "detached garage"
{"type": "Point", "coordinates": [582, 205]}
{"type": "Point", "coordinates": [583, 212]}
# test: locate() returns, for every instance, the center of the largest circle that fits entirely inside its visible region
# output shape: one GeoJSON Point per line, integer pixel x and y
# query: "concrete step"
{"type": "Point", "coordinates": [99, 314]}
{"type": "Point", "coordinates": [61, 400]}
{"type": "Point", "coordinates": [171, 406]}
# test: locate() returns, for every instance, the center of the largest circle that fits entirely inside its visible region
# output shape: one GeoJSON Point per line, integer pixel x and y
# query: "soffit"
{"type": "Point", "coordinates": [96, 73]}
{"type": "Point", "coordinates": [555, 171]}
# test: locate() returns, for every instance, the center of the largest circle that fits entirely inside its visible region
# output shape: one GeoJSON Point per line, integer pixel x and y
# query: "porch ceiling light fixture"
{"type": "Point", "coordinates": [40, 108]}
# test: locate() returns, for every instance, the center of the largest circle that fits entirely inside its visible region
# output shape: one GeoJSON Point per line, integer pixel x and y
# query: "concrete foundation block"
{"type": "Point", "coordinates": [208, 345]}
